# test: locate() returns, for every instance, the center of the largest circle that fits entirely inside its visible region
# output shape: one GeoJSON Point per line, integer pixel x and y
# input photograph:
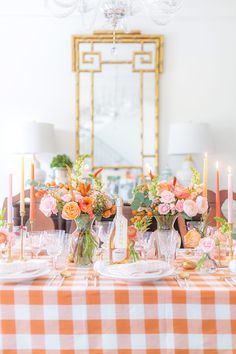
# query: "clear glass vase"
{"type": "Point", "coordinates": [167, 238]}
{"type": "Point", "coordinates": [84, 243]}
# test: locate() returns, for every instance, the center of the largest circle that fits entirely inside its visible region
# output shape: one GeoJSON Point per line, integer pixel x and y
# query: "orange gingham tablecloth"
{"type": "Point", "coordinates": [116, 318]}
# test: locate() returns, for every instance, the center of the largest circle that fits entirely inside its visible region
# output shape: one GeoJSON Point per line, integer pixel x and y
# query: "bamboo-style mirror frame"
{"type": "Point", "coordinates": [145, 57]}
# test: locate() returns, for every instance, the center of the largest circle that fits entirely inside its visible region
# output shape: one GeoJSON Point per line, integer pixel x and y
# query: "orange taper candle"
{"type": "Point", "coordinates": [218, 212]}
{"type": "Point", "coordinates": [32, 193]}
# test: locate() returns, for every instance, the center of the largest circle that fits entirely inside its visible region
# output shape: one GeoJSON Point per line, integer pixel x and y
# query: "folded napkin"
{"type": "Point", "coordinates": [18, 267]}
{"type": "Point", "coordinates": [137, 269]}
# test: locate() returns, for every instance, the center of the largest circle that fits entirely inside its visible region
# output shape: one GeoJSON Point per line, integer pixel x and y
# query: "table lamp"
{"type": "Point", "coordinates": [37, 138]}
{"type": "Point", "coordinates": [188, 139]}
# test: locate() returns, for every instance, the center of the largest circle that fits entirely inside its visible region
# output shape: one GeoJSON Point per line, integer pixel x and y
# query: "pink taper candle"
{"type": "Point", "coordinates": [9, 202]}
{"type": "Point", "coordinates": [22, 192]}
{"type": "Point", "coordinates": [230, 196]}
{"type": "Point", "coordinates": [218, 212]}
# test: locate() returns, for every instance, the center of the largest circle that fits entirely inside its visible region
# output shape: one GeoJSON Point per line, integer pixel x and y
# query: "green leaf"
{"type": "Point", "coordinates": [196, 176]}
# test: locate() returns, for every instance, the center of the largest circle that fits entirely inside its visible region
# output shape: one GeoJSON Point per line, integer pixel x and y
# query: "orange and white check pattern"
{"type": "Point", "coordinates": [115, 318]}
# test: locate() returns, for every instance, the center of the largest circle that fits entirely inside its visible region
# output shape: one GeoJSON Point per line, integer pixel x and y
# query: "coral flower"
{"type": "Point", "coordinates": [71, 211]}
{"type": "Point", "coordinates": [181, 192]}
{"type": "Point", "coordinates": [86, 205]}
{"type": "Point", "coordinates": [165, 186]}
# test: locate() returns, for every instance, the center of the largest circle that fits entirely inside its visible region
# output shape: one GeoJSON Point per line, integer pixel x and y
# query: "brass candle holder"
{"type": "Point", "coordinates": [22, 258]}
{"type": "Point", "coordinates": [231, 255]}
{"type": "Point", "coordinates": [9, 258]}
{"type": "Point", "coordinates": [31, 225]}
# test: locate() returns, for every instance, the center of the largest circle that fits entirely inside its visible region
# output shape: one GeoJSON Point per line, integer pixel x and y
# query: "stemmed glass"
{"type": "Point", "coordinates": [54, 244]}
{"type": "Point", "coordinates": [62, 258]}
{"type": "Point", "coordinates": [36, 239]}
{"type": "Point", "coordinates": [103, 230]}
{"type": "Point", "coordinates": [146, 245]}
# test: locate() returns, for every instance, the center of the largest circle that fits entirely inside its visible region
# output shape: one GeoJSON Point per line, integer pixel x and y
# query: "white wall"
{"type": "Point", "coordinates": [198, 83]}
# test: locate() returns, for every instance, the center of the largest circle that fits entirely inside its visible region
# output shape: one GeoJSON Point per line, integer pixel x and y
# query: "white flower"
{"type": "Point", "coordinates": [190, 208]}
{"type": "Point", "coordinates": [202, 204]}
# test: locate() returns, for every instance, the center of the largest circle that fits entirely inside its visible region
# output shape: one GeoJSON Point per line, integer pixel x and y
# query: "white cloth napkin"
{"type": "Point", "coordinates": [139, 268]}
{"type": "Point", "coordinates": [18, 267]}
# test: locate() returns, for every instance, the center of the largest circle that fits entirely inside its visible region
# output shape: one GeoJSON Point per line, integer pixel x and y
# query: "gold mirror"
{"type": "Point", "coordinates": [117, 99]}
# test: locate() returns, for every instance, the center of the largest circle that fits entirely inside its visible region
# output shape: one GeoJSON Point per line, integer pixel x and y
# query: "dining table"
{"type": "Point", "coordinates": [97, 315]}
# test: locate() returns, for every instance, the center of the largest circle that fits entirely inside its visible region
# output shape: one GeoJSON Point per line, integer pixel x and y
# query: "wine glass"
{"type": "Point", "coordinates": [54, 244]}
{"type": "Point", "coordinates": [36, 239]}
{"type": "Point", "coordinates": [146, 245]}
{"type": "Point", "coordinates": [63, 257]}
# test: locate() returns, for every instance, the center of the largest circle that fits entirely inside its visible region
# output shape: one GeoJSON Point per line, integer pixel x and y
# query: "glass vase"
{"type": "Point", "coordinates": [167, 238]}
{"type": "Point", "coordinates": [84, 243]}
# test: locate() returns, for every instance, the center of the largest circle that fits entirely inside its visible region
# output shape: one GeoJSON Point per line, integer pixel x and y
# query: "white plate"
{"type": "Point", "coordinates": [22, 277]}
{"type": "Point", "coordinates": [108, 272]}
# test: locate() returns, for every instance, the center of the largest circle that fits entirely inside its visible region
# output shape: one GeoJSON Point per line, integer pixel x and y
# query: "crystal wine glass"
{"type": "Point", "coordinates": [54, 244]}
{"type": "Point", "coordinates": [36, 239]}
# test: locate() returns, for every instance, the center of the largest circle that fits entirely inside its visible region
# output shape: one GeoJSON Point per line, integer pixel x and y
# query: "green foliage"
{"type": "Point", "coordinates": [224, 225]}
{"type": "Point", "coordinates": [79, 164]}
{"type": "Point", "coordinates": [132, 252]}
{"type": "Point", "coordinates": [144, 224]}
{"type": "Point", "coordinates": [97, 182]}
{"type": "Point", "coordinates": [140, 200]}
{"type": "Point", "coordinates": [2, 218]}
{"type": "Point", "coordinates": [61, 161]}
{"type": "Point", "coordinates": [196, 176]}
{"type": "Point", "coordinates": [153, 187]}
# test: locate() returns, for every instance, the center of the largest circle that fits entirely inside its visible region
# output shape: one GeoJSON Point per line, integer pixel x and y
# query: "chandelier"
{"type": "Point", "coordinates": [117, 12]}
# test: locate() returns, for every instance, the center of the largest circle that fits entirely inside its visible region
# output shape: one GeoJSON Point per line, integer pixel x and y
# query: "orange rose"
{"type": "Point", "coordinates": [192, 239]}
{"type": "Point", "coordinates": [71, 211]}
{"type": "Point", "coordinates": [86, 205]}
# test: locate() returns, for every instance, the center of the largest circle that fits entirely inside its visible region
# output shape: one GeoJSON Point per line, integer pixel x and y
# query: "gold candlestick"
{"type": "Point", "coordinates": [22, 214]}
{"type": "Point", "coordinates": [231, 242]}
{"type": "Point", "coordinates": [10, 259]}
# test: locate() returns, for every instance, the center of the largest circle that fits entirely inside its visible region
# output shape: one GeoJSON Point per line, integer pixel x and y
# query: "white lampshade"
{"type": "Point", "coordinates": [35, 138]}
{"type": "Point", "coordinates": [189, 138]}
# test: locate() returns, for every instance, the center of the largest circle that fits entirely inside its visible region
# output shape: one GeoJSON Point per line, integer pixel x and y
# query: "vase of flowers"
{"type": "Point", "coordinates": [165, 201]}
{"type": "Point", "coordinates": [81, 202]}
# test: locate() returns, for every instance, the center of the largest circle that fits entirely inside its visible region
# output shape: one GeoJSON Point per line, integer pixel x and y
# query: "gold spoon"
{"type": "Point", "coordinates": [64, 274]}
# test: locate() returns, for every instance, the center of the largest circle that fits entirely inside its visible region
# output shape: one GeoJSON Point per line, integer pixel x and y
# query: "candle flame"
{"type": "Point", "coordinates": [229, 169]}
{"type": "Point", "coordinates": [217, 165]}
{"type": "Point", "coordinates": [205, 155]}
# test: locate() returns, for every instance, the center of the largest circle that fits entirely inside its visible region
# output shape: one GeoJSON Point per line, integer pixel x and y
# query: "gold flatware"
{"type": "Point", "coordinates": [64, 274]}
{"type": "Point", "coordinates": [177, 281]}
{"type": "Point", "coordinates": [227, 281]}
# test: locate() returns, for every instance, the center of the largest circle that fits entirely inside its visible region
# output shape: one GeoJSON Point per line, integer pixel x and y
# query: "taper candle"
{"type": "Point", "coordinates": [32, 194]}
{"type": "Point", "coordinates": [22, 192]}
{"type": "Point", "coordinates": [205, 175]}
{"type": "Point", "coordinates": [218, 212]}
{"type": "Point", "coordinates": [230, 196]}
{"type": "Point", "coordinates": [9, 202]}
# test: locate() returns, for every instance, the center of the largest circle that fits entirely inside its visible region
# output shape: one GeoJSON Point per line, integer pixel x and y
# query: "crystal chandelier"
{"type": "Point", "coordinates": [117, 12]}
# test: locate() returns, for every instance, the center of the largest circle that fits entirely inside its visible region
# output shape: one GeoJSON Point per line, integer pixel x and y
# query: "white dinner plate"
{"type": "Point", "coordinates": [23, 276]}
{"type": "Point", "coordinates": [112, 271]}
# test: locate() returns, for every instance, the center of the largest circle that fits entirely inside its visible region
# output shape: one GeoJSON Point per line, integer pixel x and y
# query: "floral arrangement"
{"type": "Point", "coordinates": [80, 201]}
{"type": "Point", "coordinates": [165, 200]}
{"type": "Point", "coordinates": [221, 237]}
{"type": "Point", "coordinates": [206, 245]}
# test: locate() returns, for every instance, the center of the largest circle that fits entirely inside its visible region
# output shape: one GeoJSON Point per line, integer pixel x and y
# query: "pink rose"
{"type": "Point", "coordinates": [179, 206]}
{"type": "Point", "coordinates": [66, 198]}
{"type": "Point", "coordinates": [48, 205]}
{"type": "Point", "coordinates": [202, 204]}
{"type": "Point", "coordinates": [207, 244]}
{"type": "Point", "coordinates": [163, 209]}
{"type": "Point", "coordinates": [167, 197]}
{"type": "Point", "coordinates": [190, 208]}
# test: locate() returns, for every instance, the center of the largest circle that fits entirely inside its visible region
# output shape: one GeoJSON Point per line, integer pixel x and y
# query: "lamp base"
{"type": "Point", "coordinates": [184, 175]}
{"type": "Point", "coordinates": [40, 175]}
